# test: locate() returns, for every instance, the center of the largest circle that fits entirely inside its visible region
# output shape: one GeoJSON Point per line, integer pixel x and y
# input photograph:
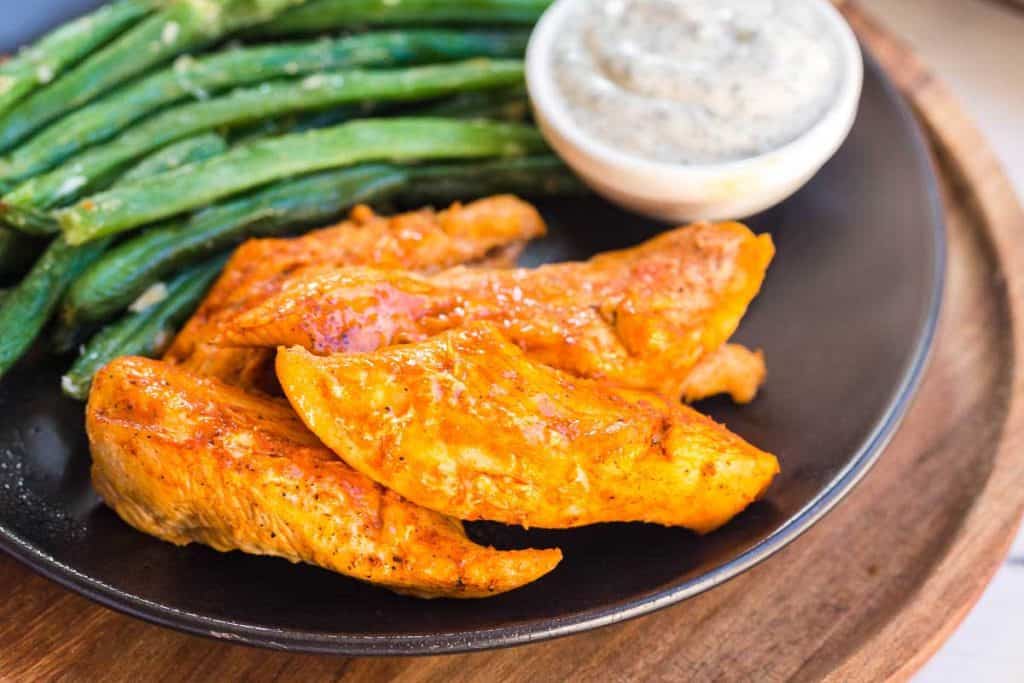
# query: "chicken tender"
{"type": "Point", "coordinates": [468, 425]}
{"type": "Point", "coordinates": [489, 231]}
{"type": "Point", "coordinates": [640, 318]}
{"type": "Point", "coordinates": [190, 459]}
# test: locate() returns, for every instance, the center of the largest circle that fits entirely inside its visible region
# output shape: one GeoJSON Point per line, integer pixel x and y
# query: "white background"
{"type": "Point", "coordinates": [977, 47]}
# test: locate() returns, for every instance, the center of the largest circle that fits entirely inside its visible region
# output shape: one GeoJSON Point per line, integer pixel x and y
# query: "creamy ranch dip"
{"type": "Point", "coordinates": [697, 81]}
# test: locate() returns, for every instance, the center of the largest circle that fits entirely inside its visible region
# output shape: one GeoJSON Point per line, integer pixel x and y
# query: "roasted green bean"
{"type": "Point", "coordinates": [197, 185]}
{"type": "Point", "coordinates": [333, 15]}
{"type": "Point", "coordinates": [29, 305]}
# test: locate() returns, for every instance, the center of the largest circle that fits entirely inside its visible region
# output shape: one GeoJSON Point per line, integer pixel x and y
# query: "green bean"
{"type": "Point", "coordinates": [505, 104]}
{"type": "Point", "coordinates": [109, 285]}
{"type": "Point", "coordinates": [535, 177]}
{"type": "Point", "coordinates": [332, 15]}
{"type": "Point", "coordinates": [296, 123]}
{"type": "Point", "coordinates": [243, 168]}
{"type": "Point", "coordinates": [320, 91]}
{"type": "Point", "coordinates": [202, 77]}
{"type": "Point", "coordinates": [176, 155]}
{"type": "Point", "coordinates": [145, 332]}
{"type": "Point", "coordinates": [28, 220]}
{"type": "Point", "coordinates": [502, 104]}
{"type": "Point", "coordinates": [180, 26]}
{"type": "Point", "coordinates": [498, 104]}
{"type": "Point", "coordinates": [29, 305]}
{"type": "Point", "coordinates": [17, 251]}
{"type": "Point", "coordinates": [40, 63]}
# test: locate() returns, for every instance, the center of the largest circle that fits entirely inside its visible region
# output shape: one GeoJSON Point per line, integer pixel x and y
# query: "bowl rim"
{"type": "Point", "coordinates": [860, 463]}
{"type": "Point", "coordinates": [813, 147]}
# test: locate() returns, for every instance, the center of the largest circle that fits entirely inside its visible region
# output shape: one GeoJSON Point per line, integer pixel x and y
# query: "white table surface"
{"type": "Point", "coordinates": [977, 47]}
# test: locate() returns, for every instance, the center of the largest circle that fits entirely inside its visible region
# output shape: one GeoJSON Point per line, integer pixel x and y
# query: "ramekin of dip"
{"type": "Point", "coordinates": [695, 109]}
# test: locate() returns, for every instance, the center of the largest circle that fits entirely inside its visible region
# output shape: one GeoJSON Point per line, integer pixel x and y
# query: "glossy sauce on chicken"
{"type": "Point", "coordinates": [191, 460]}
{"type": "Point", "coordinates": [641, 317]}
{"type": "Point", "coordinates": [467, 425]}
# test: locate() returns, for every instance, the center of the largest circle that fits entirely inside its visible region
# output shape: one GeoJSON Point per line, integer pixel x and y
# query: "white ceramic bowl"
{"type": "Point", "coordinates": [685, 192]}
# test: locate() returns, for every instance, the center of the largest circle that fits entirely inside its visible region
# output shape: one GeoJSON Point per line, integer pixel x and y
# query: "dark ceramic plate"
{"type": "Point", "coordinates": [846, 319]}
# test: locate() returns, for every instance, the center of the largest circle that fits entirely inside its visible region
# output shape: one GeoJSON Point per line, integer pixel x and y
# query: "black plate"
{"type": "Point", "coordinates": [846, 319]}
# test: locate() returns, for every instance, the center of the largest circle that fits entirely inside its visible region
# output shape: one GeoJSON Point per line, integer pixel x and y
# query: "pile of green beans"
{"type": "Point", "coordinates": [178, 27]}
{"type": "Point", "coordinates": [200, 78]}
{"type": "Point", "coordinates": [86, 171]}
{"type": "Point", "coordinates": [135, 153]}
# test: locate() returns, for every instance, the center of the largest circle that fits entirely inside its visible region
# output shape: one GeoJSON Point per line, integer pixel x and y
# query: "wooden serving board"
{"type": "Point", "coordinates": [869, 594]}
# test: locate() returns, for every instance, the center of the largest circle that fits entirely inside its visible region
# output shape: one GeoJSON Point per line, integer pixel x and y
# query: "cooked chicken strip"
{"type": "Point", "coordinates": [732, 369]}
{"type": "Point", "coordinates": [467, 425]}
{"type": "Point", "coordinates": [641, 317]}
{"type": "Point", "coordinates": [491, 231]}
{"type": "Point", "coordinates": [189, 459]}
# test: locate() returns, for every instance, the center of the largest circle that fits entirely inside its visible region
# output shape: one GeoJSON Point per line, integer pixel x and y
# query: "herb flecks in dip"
{"type": "Point", "coordinates": [697, 81]}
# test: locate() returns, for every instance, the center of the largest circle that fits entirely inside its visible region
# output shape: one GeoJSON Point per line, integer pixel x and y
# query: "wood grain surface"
{"type": "Point", "coordinates": [868, 594]}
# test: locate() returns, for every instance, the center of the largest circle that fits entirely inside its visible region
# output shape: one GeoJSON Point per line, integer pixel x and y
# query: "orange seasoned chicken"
{"type": "Point", "coordinates": [489, 231]}
{"type": "Point", "coordinates": [641, 317]}
{"type": "Point", "coordinates": [468, 425]}
{"type": "Point", "coordinates": [190, 459]}
{"type": "Point", "coordinates": [731, 369]}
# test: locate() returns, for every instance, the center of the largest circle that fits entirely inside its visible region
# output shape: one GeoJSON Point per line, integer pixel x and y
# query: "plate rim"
{"type": "Point", "coordinates": [863, 460]}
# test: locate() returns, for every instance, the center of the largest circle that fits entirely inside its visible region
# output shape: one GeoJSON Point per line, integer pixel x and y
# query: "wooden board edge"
{"type": "Point", "coordinates": [916, 634]}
